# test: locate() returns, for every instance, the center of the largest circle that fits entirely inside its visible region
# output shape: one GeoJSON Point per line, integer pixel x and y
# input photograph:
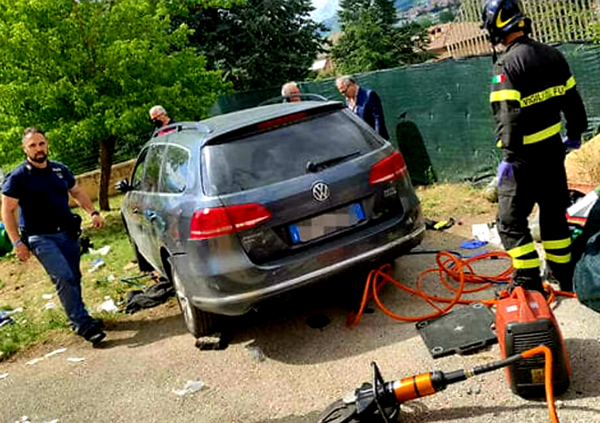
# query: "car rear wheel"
{"type": "Point", "coordinates": [199, 323]}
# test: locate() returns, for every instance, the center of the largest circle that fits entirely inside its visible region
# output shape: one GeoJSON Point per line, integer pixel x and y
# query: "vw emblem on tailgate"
{"type": "Point", "coordinates": [320, 191]}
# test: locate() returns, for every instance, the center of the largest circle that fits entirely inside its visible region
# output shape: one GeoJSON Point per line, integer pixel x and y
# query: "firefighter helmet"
{"type": "Point", "coordinates": [501, 17]}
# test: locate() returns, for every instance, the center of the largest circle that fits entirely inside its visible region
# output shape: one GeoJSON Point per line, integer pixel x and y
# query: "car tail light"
{"type": "Point", "coordinates": [217, 221]}
{"type": "Point", "coordinates": [388, 169]}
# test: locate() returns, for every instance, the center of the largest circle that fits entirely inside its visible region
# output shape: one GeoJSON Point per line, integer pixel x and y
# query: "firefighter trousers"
{"type": "Point", "coordinates": [546, 186]}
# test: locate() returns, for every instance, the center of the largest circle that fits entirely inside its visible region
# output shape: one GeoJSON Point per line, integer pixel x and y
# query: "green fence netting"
{"type": "Point", "coordinates": [438, 113]}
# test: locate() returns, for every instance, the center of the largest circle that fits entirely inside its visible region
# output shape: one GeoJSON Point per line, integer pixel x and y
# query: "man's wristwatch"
{"type": "Point", "coordinates": [95, 213]}
{"type": "Point", "coordinates": [17, 243]}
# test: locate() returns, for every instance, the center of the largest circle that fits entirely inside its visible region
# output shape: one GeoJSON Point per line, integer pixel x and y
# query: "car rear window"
{"type": "Point", "coordinates": [277, 155]}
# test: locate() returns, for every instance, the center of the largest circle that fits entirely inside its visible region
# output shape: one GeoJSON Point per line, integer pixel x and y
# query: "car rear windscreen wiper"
{"type": "Point", "coordinates": [315, 167]}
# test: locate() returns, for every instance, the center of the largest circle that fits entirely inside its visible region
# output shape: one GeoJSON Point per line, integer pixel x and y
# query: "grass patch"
{"type": "Point", "coordinates": [24, 284]}
{"type": "Point", "coordinates": [442, 201]}
{"type": "Point", "coordinates": [30, 328]}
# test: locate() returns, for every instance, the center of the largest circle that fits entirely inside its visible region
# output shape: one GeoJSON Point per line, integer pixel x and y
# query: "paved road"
{"type": "Point", "coordinates": [132, 378]}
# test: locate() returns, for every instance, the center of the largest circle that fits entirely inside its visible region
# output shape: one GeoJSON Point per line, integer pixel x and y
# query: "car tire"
{"type": "Point", "coordinates": [199, 323]}
{"type": "Point", "coordinates": [142, 263]}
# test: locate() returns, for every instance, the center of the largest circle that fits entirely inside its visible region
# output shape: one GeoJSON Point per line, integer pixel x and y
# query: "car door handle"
{"type": "Point", "coordinates": [135, 210]}
{"type": "Point", "coordinates": [151, 216]}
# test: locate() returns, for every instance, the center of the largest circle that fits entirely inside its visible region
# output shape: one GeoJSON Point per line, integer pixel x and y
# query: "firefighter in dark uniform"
{"type": "Point", "coordinates": [531, 86]}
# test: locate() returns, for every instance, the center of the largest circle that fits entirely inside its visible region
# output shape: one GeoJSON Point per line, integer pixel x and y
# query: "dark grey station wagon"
{"type": "Point", "coordinates": [240, 208]}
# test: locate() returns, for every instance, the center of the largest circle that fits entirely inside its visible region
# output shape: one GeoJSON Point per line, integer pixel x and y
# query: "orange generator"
{"type": "Point", "coordinates": [524, 320]}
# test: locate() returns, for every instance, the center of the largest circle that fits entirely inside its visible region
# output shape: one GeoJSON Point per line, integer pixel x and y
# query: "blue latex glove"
{"type": "Point", "coordinates": [571, 144]}
{"type": "Point", "coordinates": [505, 171]}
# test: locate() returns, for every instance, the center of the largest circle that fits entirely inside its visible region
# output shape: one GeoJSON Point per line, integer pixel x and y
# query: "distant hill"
{"type": "Point", "coordinates": [404, 5]}
{"type": "Point", "coordinates": [328, 16]}
{"type": "Point", "coordinates": [326, 9]}
{"type": "Point", "coordinates": [332, 25]}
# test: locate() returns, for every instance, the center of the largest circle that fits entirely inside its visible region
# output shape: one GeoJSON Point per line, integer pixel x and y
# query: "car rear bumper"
{"type": "Point", "coordinates": [210, 294]}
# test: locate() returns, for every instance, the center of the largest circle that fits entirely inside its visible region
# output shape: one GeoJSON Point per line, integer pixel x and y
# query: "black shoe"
{"type": "Point", "coordinates": [99, 323]}
{"type": "Point", "coordinates": [530, 281]}
{"type": "Point", "coordinates": [93, 332]}
{"type": "Point", "coordinates": [96, 338]}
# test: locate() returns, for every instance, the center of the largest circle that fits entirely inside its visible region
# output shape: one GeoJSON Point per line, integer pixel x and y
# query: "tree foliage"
{"type": "Point", "coordinates": [87, 71]}
{"type": "Point", "coordinates": [256, 43]}
{"type": "Point", "coordinates": [371, 39]}
{"type": "Point", "coordinates": [446, 16]}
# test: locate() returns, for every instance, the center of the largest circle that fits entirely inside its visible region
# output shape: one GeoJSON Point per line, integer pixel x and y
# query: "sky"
{"type": "Point", "coordinates": [324, 9]}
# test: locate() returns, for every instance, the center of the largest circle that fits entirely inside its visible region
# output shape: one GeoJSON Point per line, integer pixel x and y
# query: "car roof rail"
{"type": "Point", "coordinates": [181, 126]}
{"type": "Point", "coordinates": [294, 97]}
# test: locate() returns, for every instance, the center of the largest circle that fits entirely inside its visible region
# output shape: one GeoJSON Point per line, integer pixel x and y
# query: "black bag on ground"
{"type": "Point", "coordinates": [151, 297]}
{"type": "Point", "coordinates": [586, 254]}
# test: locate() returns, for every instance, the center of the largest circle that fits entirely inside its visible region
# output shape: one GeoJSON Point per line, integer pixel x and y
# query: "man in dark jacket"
{"type": "Point", "coordinates": [40, 190]}
{"type": "Point", "coordinates": [364, 102]}
{"type": "Point", "coordinates": [532, 85]}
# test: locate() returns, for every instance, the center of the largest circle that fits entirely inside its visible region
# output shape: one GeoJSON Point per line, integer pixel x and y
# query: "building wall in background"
{"type": "Point", "coordinates": [90, 181]}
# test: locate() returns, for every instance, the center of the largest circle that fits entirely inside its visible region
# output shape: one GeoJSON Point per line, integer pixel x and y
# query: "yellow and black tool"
{"type": "Point", "coordinates": [379, 401]}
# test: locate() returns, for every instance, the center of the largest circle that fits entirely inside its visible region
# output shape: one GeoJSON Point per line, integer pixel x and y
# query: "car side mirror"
{"type": "Point", "coordinates": [123, 186]}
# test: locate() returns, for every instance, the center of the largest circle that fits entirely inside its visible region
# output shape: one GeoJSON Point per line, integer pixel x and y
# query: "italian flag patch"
{"type": "Point", "coordinates": [499, 79]}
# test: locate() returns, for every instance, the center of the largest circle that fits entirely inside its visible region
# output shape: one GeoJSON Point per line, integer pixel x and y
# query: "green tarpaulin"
{"type": "Point", "coordinates": [438, 114]}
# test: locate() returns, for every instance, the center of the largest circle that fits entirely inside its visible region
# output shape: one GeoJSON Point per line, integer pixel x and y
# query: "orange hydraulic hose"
{"type": "Point", "coordinates": [548, 377]}
{"type": "Point", "coordinates": [449, 268]}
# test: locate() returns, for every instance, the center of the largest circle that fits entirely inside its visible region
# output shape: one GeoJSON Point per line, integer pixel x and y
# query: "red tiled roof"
{"type": "Point", "coordinates": [444, 35]}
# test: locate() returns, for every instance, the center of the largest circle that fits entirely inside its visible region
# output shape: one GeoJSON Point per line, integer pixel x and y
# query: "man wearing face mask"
{"type": "Point", "coordinates": [159, 117]}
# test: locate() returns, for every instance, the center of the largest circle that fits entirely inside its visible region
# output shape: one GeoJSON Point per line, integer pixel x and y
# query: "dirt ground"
{"type": "Point", "coordinates": [146, 357]}
{"type": "Point", "coordinates": [583, 165]}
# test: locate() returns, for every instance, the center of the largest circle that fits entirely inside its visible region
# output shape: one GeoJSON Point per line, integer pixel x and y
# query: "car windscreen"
{"type": "Point", "coordinates": [280, 154]}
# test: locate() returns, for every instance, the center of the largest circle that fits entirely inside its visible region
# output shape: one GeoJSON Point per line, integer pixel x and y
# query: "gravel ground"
{"type": "Point", "coordinates": [133, 377]}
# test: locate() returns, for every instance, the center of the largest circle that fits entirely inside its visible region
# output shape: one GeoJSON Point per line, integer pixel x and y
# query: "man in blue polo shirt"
{"type": "Point", "coordinates": [40, 190]}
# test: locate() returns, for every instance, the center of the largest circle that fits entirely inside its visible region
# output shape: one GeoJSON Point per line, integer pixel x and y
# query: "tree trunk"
{"type": "Point", "coordinates": [107, 149]}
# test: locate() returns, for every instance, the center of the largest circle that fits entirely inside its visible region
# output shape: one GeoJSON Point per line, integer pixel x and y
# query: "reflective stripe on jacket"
{"type": "Point", "coordinates": [531, 86]}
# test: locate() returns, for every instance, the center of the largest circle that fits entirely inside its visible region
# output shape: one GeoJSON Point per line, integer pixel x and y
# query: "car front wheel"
{"type": "Point", "coordinates": [199, 323]}
{"type": "Point", "coordinates": [142, 263]}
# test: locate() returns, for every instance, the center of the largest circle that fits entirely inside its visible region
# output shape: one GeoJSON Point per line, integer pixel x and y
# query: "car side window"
{"type": "Point", "coordinates": [152, 168]}
{"type": "Point", "coordinates": [138, 173]}
{"type": "Point", "coordinates": [175, 170]}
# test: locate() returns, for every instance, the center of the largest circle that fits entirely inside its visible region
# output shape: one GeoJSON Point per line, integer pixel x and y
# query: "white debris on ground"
{"type": "Point", "coordinates": [190, 387]}
{"type": "Point", "coordinates": [55, 352]}
{"type": "Point", "coordinates": [256, 353]}
{"type": "Point", "coordinates": [75, 360]}
{"type": "Point", "coordinates": [108, 305]}
{"type": "Point", "coordinates": [25, 419]}
{"type": "Point", "coordinates": [101, 251]}
{"type": "Point", "coordinates": [485, 232]}
{"type": "Point", "coordinates": [34, 361]}
{"type": "Point", "coordinates": [9, 313]}
{"type": "Point", "coordinates": [96, 264]}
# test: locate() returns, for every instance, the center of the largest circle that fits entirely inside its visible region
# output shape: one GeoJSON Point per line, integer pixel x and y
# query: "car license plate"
{"type": "Point", "coordinates": [326, 223]}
